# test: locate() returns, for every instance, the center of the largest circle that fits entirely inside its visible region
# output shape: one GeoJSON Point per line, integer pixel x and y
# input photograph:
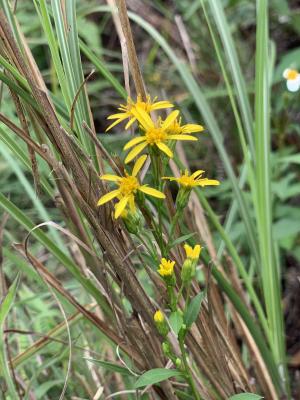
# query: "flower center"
{"type": "Point", "coordinates": [144, 106]}
{"type": "Point", "coordinates": [129, 185]}
{"type": "Point", "coordinates": [156, 135]}
{"type": "Point", "coordinates": [175, 128]}
{"type": "Point", "coordinates": [292, 74]}
{"type": "Point", "coordinates": [185, 180]}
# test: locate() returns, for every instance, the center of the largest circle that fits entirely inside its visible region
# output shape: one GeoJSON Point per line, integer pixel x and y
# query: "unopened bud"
{"type": "Point", "coordinates": [161, 324]}
{"type": "Point", "coordinates": [182, 197]}
{"type": "Point", "coordinates": [132, 220]}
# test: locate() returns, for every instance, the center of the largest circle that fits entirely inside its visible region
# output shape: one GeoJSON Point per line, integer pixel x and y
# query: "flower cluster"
{"type": "Point", "coordinates": [157, 138]}
{"type": "Point", "coordinates": [155, 142]}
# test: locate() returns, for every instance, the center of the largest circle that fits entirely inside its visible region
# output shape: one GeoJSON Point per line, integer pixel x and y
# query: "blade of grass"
{"type": "Point", "coordinates": [251, 325]}
{"type": "Point", "coordinates": [38, 205]}
{"type": "Point", "coordinates": [22, 156]}
{"type": "Point", "coordinates": [5, 307]}
{"type": "Point", "coordinates": [41, 343]}
{"type": "Point", "coordinates": [103, 70]}
{"type": "Point", "coordinates": [43, 238]}
{"type": "Point", "coordinates": [238, 79]}
{"type": "Point", "coordinates": [71, 66]}
{"type": "Point", "coordinates": [269, 269]}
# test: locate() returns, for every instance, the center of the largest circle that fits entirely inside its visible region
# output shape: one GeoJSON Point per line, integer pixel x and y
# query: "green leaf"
{"type": "Point", "coordinates": [245, 396]}
{"type": "Point", "coordinates": [193, 310]}
{"type": "Point", "coordinates": [111, 366]}
{"type": "Point", "coordinates": [181, 239]}
{"type": "Point", "coordinates": [4, 310]}
{"type": "Point", "coordinates": [294, 158]}
{"type": "Point", "coordinates": [176, 321]}
{"type": "Point", "coordinates": [183, 396]}
{"type": "Point", "coordinates": [286, 227]}
{"type": "Point", "coordinates": [156, 375]}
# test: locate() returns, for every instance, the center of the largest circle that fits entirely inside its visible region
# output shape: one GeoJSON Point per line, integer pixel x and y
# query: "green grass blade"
{"type": "Point", "coordinates": [251, 325]}
{"type": "Point", "coordinates": [269, 270]}
{"type": "Point", "coordinates": [5, 307]}
{"type": "Point", "coordinates": [43, 238]}
{"type": "Point", "coordinates": [238, 79]}
{"type": "Point", "coordinates": [103, 70]}
{"type": "Point", "coordinates": [29, 190]}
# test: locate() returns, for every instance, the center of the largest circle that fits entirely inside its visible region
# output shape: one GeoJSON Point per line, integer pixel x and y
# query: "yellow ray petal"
{"type": "Point", "coordinates": [182, 137]}
{"type": "Point", "coordinates": [108, 196]}
{"type": "Point", "coordinates": [131, 204]}
{"type": "Point", "coordinates": [170, 119]}
{"type": "Point", "coordinates": [163, 147]}
{"type": "Point", "coordinates": [109, 177]}
{"type": "Point", "coordinates": [161, 104]}
{"type": "Point", "coordinates": [134, 142]}
{"type": "Point", "coordinates": [171, 178]}
{"type": "Point", "coordinates": [197, 173]}
{"type": "Point", "coordinates": [114, 124]}
{"type": "Point", "coordinates": [192, 128]}
{"type": "Point", "coordinates": [134, 152]}
{"type": "Point", "coordinates": [207, 182]}
{"type": "Point", "coordinates": [130, 122]}
{"type": "Point", "coordinates": [138, 165]}
{"type": "Point", "coordinates": [152, 192]}
{"type": "Point", "coordinates": [143, 118]}
{"type": "Point", "coordinates": [120, 207]}
{"type": "Point", "coordinates": [119, 116]}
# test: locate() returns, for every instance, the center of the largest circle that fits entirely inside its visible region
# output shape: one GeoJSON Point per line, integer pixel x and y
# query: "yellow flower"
{"type": "Point", "coordinates": [189, 181]}
{"type": "Point", "coordinates": [156, 134]}
{"type": "Point", "coordinates": [166, 267]}
{"type": "Point", "coordinates": [159, 317]}
{"type": "Point", "coordinates": [192, 253]}
{"type": "Point", "coordinates": [177, 129]}
{"type": "Point", "coordinates": [292, 77]}
{"type": "Point", "coordinates": [128, 109]}
{"type": "Point", "coordinates": [128, 187]}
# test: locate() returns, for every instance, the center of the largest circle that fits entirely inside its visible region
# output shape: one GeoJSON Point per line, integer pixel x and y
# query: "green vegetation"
{"type": "Point", "coordinates": [89, 307]}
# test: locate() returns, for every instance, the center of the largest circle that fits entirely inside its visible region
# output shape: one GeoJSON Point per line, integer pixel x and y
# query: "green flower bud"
{"type": "Point", "coordinates": [188, 271]}
{"type": "Point", "coordinates": [161, 324]}
{"type": "Point", "coordinates": [182, 197]}
{"type": "Point", "coordinates": [178, 362]}
{"type": "Point", "coordinates": [166, 349]}
{"type": "Point", "coordinates": [132, 221]}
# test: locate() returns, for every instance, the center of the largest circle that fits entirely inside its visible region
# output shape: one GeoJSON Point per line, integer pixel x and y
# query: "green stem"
{"type": "Point", "coordinates": [174, 222]}
{"type": "Point", "coordinates": [188, 374]}
{"type": "Point", "coordinates": [172, 298]}
{"type": "Point", "coordinates": [157, 173]}
{"type": "Point", "coordinates": [179, 293]}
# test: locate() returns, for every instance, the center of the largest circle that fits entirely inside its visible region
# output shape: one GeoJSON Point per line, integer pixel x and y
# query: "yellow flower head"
{"type": "Point", "coordinates": [128, 187]}
{"type": "Point", "coordinates": [189, 181]}
{"type": "Point", "coordinates": [166, 267]}
{"type": "Point", "coordinates": [127, 110]}
{"type": "Point", "coordinates": [292, 77]}
{"type": "Point", "coordinates": [192, 253]}
{"type": "Point", "coordinates": [155, 134]}
{"type": "Point", "coordinates": [177, 129]}
{"type": "Point", "coordinates": [159, 317]}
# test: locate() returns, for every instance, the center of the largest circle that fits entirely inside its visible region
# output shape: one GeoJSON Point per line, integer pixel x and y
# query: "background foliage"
{"type": "Point", "coordinates": [259, 210]}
